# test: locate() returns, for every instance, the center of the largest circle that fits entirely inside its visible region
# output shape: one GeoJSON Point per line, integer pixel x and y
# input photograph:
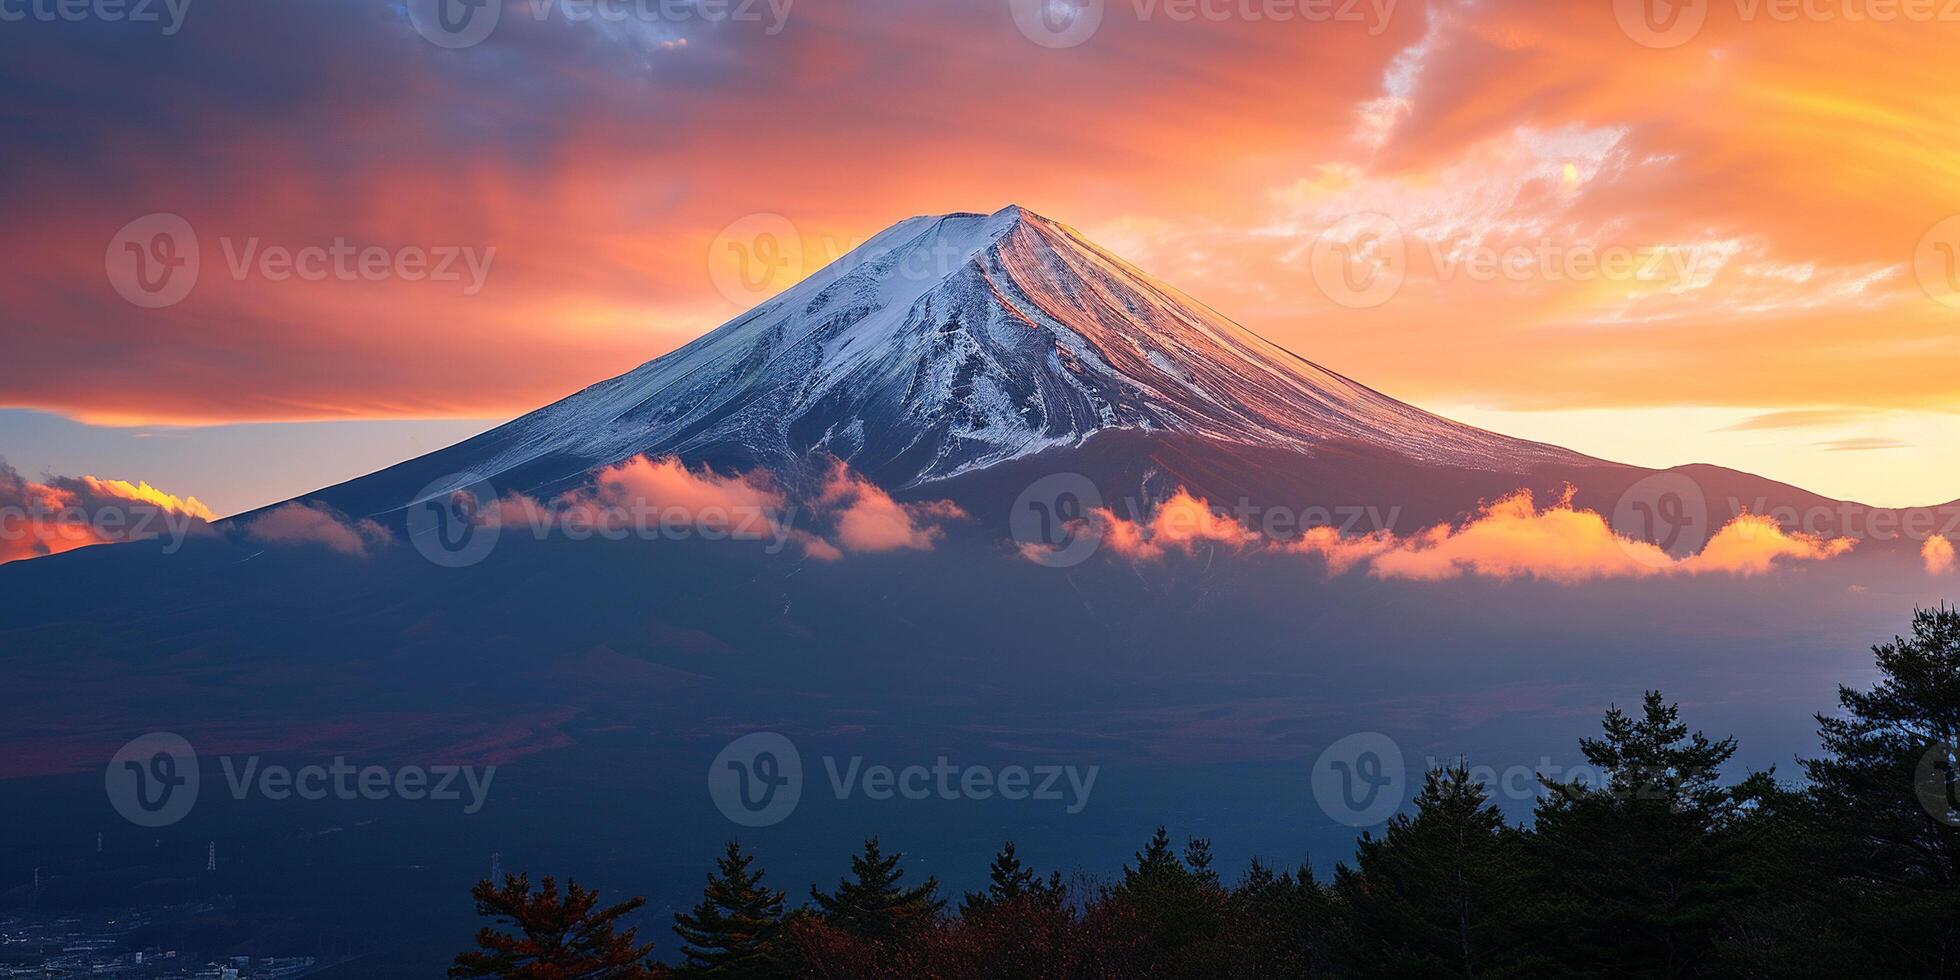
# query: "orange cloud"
{"type": "Point", "coordinates": [66, 513]}
{"type": "Point", "coordinates": [1183, 522]}
{"type": "Point", "coordinates": [1751, 544]}
{"type": "Point", "coordinates": [656, 496]}
{"type": "Point", "coordinates": [1342, 553]}
{"type": "Point", "coordinates": [142, 492]}
{"type": "Point", "coordinates": [662, 496]}
{"type": "Point", "coordinates": [1512, 538]}
{"type": "Point", "coordinates": [667, 483]}
{"type": "Point", "coordinates": [1938, 555]}
{"type": "Point", "coordinates": [300, 524]}
{"type": "Point", "coordinates": [868, 519]}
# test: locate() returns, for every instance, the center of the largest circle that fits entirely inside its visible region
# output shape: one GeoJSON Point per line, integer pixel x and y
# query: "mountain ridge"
{"type": "Point", "coordinates": [943, 345]}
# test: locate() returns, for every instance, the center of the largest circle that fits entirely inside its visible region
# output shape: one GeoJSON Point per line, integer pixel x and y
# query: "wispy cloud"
{"type": "Point", "coordinates": [1801, 419]}
{"type": "Point", "coordinates": [1861, 444]}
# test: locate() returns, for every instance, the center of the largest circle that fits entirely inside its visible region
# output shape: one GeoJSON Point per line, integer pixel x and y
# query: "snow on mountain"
{"type": "Point", "coordinates": [955, 342]}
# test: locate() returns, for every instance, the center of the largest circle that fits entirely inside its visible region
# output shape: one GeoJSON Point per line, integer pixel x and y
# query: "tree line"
{"type": "Point", "coordinates": [1660, 869]}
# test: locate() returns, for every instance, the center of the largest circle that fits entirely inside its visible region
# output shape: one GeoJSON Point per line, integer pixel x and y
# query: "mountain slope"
{"type": "Point", "coordinates": [944, 345]}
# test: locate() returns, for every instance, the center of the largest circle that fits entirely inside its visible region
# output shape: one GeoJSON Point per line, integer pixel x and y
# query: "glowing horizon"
{"type": "Point", "coordinates": [1730, 245]}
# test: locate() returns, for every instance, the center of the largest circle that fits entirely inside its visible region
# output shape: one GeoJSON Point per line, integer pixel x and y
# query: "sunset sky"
{"type": "Point", "coordinates": [1731, 241]}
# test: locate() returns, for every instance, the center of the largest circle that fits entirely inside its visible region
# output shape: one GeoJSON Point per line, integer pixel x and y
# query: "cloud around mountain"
{"type": "Point", "coordinates": [1511, 538]}
{"type": "Point", "coordinates": [652, 498]}
{"type": "Point", "coordinates": [1937, 552]}
{"type": "Point", "coordinates": [62, 513]}
{"type": "Point", "coordinates": [310, 524]}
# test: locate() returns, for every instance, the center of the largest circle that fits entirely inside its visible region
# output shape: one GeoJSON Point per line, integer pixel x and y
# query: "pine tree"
{"type": "Point", "coordinates": [556, 937]}
{"type": "Point", "coordinates": [1437, 894]}
{"type": "Point", "coordinates": [734, 932]}
{"type": "Point", "coordinates": [1009, 881]}
{"type": "Point", "coordinates": [1197, 856]}
{"type": "Point", "coordinates": [1180, 908]}
{"type": "Point", "coordinates": [875, 906]}
{"type": "Point", "coordinates": [1639, 873]}
{"type": "Point", "coordinates": [1280, 925]}
{"type": "Point", "coordinates": [1887, 794]}
{"type": "Point", "coordinates": [1156, 864]}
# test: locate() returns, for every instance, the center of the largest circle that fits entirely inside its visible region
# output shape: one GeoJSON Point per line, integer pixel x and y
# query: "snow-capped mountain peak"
{"type": "Point", "coordinates": [953, 342]}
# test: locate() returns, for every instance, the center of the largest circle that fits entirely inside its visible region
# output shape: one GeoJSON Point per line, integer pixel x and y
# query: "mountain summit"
{"type": "Point", "coordinates": [943, 345]}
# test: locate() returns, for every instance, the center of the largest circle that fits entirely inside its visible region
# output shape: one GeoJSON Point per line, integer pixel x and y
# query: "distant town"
{"type": "Point", "coordinates": [71, 945]}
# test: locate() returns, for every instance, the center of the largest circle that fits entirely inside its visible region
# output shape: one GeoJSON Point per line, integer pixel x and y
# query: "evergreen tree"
{"type": "Point", "coordinates": [734, 932]}
{"type": "Point", "coordinates": [1279, 925]}
{"type": "Point", "coordinates": [1009, 881]}
{"type": "Point", "coordinates": [1641, 870]}
{"type": "Point", "coordinates": [1157, 866]}
{"type": "Point", "coordinates": [873, 905]}
{"type": "Point", "coordinates": [1887, 796]}
{"type": "Point", "coordinates": [1788, 923]}
{"type": "Point", "coordinates": [556, 937]}
{"type": "Point", "coordinates": [1180, 908]}
{"type": "Point", "coordinates": [1438, 893]}
{"type": "Point", "coordinates": [1197, 856]}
